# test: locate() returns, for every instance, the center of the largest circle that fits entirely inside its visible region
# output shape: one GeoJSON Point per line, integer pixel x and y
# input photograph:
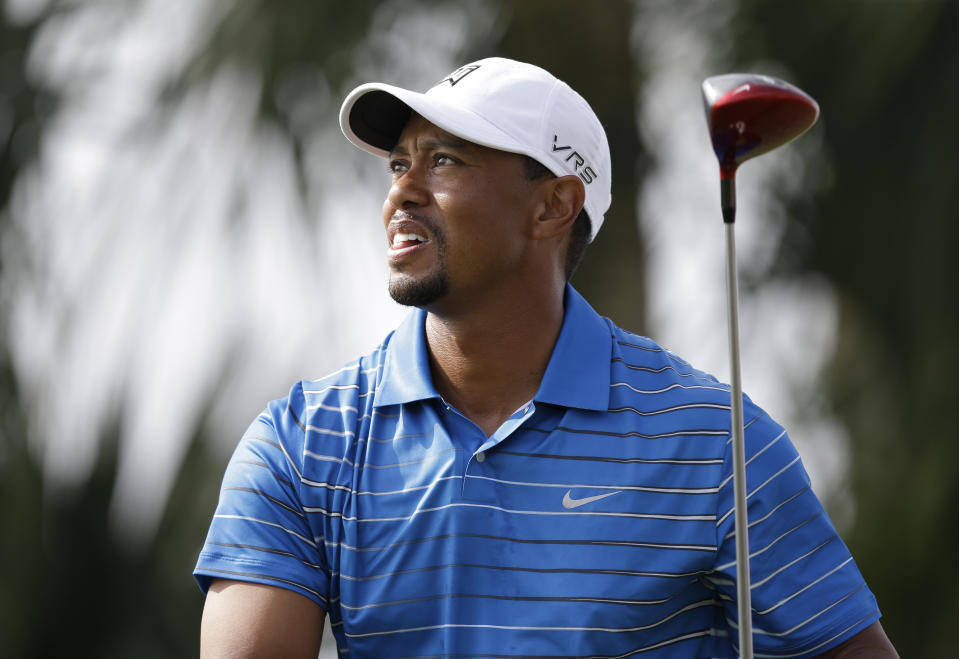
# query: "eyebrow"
{"type": "Point", "coordinates": [433, 143]}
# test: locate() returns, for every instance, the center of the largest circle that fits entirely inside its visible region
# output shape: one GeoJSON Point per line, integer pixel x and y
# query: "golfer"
{"type": "Point", "coordinates": [509, 474]}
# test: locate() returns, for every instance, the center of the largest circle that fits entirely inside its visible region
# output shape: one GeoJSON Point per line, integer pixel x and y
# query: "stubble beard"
{"type": "Point", "coordinates": [424, 291]}
{"type": "Point", "coordinates": [418, 292]}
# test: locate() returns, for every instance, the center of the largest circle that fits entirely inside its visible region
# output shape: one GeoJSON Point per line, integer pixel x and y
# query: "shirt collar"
{"type": "Point", "coordinates": [406, 371]}
{"type": "Point", "coordinates": [579, 370]}
{"type": "Point", "coordinates": [577, 374]}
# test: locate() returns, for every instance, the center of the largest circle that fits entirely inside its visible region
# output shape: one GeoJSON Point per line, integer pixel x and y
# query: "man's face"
{"type": "Point", "coordinates": [454, 217]}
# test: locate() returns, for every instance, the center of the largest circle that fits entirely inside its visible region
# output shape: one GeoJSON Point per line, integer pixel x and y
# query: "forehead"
{"type": "Point", "coordinates": [419, 130]}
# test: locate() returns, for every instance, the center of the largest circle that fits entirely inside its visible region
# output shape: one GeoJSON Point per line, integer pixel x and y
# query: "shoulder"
{"type": "Point", "coordinates": [663, 409]}
{"type": "Point", "coordinates": [344, 389]}
{"type": "Point", "coordinates": [639, 362]}
{"type": "Point", "coordinates": [329, 405]}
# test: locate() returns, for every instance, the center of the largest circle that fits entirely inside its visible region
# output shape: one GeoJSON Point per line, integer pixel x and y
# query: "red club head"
{"type": "Point", "coordinates": [751, 114]}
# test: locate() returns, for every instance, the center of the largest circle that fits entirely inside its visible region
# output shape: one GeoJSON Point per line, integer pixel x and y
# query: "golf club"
{"type": "Point", "coordinates": [748, 115]}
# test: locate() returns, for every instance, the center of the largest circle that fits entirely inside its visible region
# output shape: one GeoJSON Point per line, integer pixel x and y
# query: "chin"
{"type": "Point", "coordinates": [417, 292]}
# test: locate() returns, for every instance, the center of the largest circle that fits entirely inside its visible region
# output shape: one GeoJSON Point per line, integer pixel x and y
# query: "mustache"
{"type": "Point", "coordinates": [424, 220]}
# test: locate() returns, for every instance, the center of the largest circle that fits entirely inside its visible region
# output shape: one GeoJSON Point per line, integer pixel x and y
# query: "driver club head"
{"type": "Point", "coordinates": [750, 114]}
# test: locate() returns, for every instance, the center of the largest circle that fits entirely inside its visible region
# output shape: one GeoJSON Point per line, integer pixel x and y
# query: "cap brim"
{"type": "Point", "coordinates": [373, 116]}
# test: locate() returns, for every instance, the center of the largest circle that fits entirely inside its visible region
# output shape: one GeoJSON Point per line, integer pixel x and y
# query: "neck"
{"type": "Point", "coordinates": [488, 360]}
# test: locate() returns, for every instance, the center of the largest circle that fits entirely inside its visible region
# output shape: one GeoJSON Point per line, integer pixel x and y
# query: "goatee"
{"type": "Point", "coordinates": [418, 293]}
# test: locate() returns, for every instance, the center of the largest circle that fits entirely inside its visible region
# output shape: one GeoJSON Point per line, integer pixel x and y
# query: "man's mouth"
{"type": "Point", "coordinates": [404, 240]}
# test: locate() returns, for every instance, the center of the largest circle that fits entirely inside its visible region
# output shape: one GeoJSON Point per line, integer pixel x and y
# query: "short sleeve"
{"type": "Point", "coordinates": [260, 531]}
{"type": "Point", "coordinates": [807, 593]}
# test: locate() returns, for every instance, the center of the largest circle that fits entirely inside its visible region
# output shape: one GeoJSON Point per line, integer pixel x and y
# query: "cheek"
{"type": "Point", "coordinates": [480, 209]}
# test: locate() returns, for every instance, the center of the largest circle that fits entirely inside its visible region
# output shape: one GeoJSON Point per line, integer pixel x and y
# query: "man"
{"type": "Point", "coordinates": [509, 474]}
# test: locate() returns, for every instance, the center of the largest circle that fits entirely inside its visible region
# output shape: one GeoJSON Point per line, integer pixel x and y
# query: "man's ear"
{"type": "Point", "coordinates": [562, 200]}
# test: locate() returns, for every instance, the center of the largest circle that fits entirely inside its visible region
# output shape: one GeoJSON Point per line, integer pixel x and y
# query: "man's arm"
{"type": "Point", "coordinates": [871, 642]}
{"type": "Point", "coordinates": [252, 620]}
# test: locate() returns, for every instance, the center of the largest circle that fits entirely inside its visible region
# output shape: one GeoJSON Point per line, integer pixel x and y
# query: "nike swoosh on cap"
{"type": "Point", "coordinates": [570, 503]}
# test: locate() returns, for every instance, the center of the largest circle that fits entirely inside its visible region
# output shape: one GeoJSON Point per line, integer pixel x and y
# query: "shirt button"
{"type": "Point", "coordinates": [480, 457]}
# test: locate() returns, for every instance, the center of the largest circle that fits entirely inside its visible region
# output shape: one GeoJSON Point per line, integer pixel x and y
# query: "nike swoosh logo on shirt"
{"type": "Point", "coordinates": [569, 502]}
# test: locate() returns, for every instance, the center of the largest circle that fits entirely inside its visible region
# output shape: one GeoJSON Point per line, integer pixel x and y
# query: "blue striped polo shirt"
{"type": "Point", "coordinates": [595, 522]}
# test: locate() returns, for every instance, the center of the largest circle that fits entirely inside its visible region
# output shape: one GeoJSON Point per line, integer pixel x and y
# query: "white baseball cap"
{"type": "Point", "coordinates": [500, 103]}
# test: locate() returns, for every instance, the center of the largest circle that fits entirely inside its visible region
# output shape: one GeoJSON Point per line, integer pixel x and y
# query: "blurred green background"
{"type": "Point", "coordinates": [184, 233]}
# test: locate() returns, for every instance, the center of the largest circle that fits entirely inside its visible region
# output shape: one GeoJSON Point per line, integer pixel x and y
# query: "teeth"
{"type": "Point", "coordinates": [406, 237]}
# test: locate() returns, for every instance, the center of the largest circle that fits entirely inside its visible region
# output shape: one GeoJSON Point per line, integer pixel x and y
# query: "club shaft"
{"type": "Point", "coordinates": [743, 598]}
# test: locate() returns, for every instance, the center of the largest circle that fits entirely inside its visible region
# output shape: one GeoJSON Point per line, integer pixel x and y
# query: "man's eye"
{"type": "Point", "coordinates": [397, 166]}
{"type": "Point", "coordinates": [444, 159]}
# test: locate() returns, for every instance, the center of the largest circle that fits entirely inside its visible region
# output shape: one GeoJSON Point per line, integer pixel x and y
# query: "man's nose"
{"type": "Point", "coordinates": [409, 188]}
